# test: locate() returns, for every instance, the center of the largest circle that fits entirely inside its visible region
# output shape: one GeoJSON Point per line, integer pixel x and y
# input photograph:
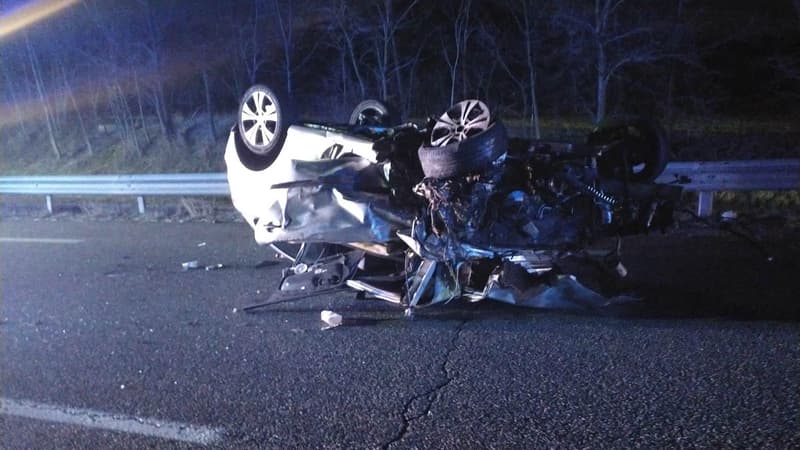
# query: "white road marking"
{"type": "Point", "coordinates": [41, 240]}
{"type": "Point", "coordinates": [115, 422]}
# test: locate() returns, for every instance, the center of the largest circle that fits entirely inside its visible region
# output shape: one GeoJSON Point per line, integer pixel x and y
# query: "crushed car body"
{"type": "Point", "coordinates": [419, 214]}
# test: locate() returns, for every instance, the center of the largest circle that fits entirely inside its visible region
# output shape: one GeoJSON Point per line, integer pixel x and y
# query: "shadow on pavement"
{"type": "Point", "coordinates": [689, 275]}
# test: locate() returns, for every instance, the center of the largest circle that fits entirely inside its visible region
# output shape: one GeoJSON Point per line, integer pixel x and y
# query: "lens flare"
{"type": "Point", "coordinates": [29, 14]}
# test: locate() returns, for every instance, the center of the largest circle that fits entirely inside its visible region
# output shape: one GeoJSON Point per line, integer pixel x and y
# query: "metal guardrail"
{"type": "Point", "coordinates": [705, 177]}
{"type": "Point", "coordinates": [157, 184]}
{"type": "Point", "coordinates": [708, 177]}
{"type": "Point", "coordinates": [175, 184]}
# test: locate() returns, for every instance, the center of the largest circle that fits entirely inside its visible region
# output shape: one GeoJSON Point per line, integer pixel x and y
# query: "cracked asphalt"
{"type": "Point", "coordinates": [111, 323]}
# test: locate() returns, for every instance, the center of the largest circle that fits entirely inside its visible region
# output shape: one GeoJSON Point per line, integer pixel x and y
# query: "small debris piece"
{"type": "Point", "coordinates": [728, 216]}
{"type": "Point", "coordinates": [531, 230]}
{"type": "Point", "coordinates": [621, 270]}
{"type": "Point", "coordinates": [190, 265]}
{"type": "Point", "coordinates": [215, 267]}
{"type": "Point", "coordinates": [266, 263]}
{"type": "Point", "coordinates": [331, 318]}
{"type": "Point", "coordinates": [202, 244]}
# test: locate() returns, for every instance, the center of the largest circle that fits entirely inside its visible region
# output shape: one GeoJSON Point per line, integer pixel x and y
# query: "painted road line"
{"type": "Point", "coordinates": [114, 422]}
{"type": "Point", "coordinates": [40, 240]}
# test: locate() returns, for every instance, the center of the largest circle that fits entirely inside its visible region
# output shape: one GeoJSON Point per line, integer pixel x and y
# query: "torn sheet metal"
{"type": "Point", "coordinates": [315, 207]}
{"type": "Point", "coordinates": [564, 292]}
{"type": "Point", "coordinates": [336, 201]}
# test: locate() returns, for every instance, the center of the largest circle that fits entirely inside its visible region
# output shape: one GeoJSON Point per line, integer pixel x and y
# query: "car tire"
{"type": "Point", "coordinates": [373, 113]}
{"type": "Point", "coordinates": [466, 152]}
{"type": "Point", "coordinates": [262, 122]}
{"type": "Point", "coordinates": [640, 150]}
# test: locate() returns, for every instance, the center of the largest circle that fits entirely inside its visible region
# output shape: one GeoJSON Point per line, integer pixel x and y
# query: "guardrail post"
{"type": "Point", "coordinates": [705, 203]}
{"type": "Point", "coordinates": [140, 203]}
{"type": "Point", "coordinates": [48, 200]}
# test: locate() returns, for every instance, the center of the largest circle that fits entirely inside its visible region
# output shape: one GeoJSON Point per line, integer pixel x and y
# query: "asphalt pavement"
{"type": "Point", "coordinates": [106, 342]}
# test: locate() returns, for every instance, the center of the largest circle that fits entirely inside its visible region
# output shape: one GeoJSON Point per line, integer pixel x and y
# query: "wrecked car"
{"type": "Point", "coordinates": [421, 213]}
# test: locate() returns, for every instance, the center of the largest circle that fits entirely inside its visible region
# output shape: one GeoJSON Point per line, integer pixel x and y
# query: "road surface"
{"type": "Point", "coordinates": [105, 342]}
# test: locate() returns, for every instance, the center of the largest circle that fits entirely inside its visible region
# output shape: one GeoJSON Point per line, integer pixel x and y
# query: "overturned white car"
{"type": "Point", "coordinates": [424, 213]}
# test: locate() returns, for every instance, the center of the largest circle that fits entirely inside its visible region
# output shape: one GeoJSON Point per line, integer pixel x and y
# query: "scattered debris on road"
{"type": "Point", "coordinates": [331, 318]}
{"type": "Point", "coordinates": [191, 265]}
{"type": "Point", "coordinates": [194, 265]}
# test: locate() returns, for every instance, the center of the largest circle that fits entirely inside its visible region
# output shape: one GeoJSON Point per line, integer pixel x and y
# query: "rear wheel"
{"type": "Point", "coordinates": [373, 113]}
{"type": "Point", "coordinates": [466, 138]}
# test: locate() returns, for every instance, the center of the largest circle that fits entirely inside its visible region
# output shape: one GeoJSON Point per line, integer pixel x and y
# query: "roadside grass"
{"type": "Point", "coordinates": [692, 126]}
{"type": "Point", "coordinates": [760, 203]}
{"type": "Point", "coordinates": [193, 150]}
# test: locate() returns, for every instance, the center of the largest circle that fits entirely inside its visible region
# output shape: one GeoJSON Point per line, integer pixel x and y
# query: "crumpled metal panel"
{"type": "Point", "coordinates": [330, 201]}
{"type": "Point", "coordinates": [327, 203]}
{"type": "Point", "coordinates": [565, 293]}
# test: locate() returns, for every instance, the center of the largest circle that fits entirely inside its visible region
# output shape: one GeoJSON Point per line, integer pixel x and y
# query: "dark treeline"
{"type": "Point", "coordinates": [139, 64]}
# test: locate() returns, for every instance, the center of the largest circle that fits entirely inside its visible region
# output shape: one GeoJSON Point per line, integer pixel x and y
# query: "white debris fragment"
{"type": "Point", "coordinates": [190, 265]}
{"type": "Point", "coordinates": [214, 267]}
{"type": "Point", "coordinates": [622, 271]}
{"type": "Point", "coordinates": [728, 215]}
{"type": "Point", "coordinates": [202, 244]}
{"type": "Point", "coordinates": [330, 318]}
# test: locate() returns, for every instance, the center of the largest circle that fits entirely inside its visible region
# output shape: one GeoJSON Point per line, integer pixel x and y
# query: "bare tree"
{"type": "Point", "coordinates": [288, 24]}
{"type": "Point", "coordinates": [611, 40]}
{"type": "Point", "coordinates": [525, 14]}
{"type": "Point", "coordinates": [461, 32]}
{"type": "Point", "coordinates": [37, 78]}
{"type": "Point", "coordinates": [155, 24]}
{"type": "Point", "coordinates": [349, 26]}
{"type": "Point", "coordinates": [140, 105]}
{"type": "Point", "coordinates": [209, 107]}
{"type": "Point", "coordinates": [11, 88]}
{"type": "Point", "coordinates": [787, 64]}
{"type": "Point", "coordinates": [386, 55]}
{"type": "Point", "coordinates": [76, 109]}
{"type": "Point", "coordinates": [286, 28]}
{"type": "Point", "coordinates": [245, 37]}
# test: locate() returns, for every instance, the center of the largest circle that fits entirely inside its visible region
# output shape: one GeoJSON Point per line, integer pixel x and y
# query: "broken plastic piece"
{"type": "Point", "coordinates": [190, 265]}
{"type": "Point", "coordinates": [202, 244]}
{"type": "Point", "coordinates": [728, 215]}
{"type": "Point", "coordinates": [214, 267]}
{"type": "Point", "coordinates": [621, 270]}
{"type": "Point", "coordinates": [330, 318]}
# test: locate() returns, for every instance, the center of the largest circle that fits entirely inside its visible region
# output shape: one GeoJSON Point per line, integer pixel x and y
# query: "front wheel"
{"type": "Point", "coordinates": [638, 149]}
{"type": "Point", "coordinates": [262, 122]}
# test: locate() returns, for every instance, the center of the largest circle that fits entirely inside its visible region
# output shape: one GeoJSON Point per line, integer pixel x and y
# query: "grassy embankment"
{"type": "Point", "coordinates": [194, 150]}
